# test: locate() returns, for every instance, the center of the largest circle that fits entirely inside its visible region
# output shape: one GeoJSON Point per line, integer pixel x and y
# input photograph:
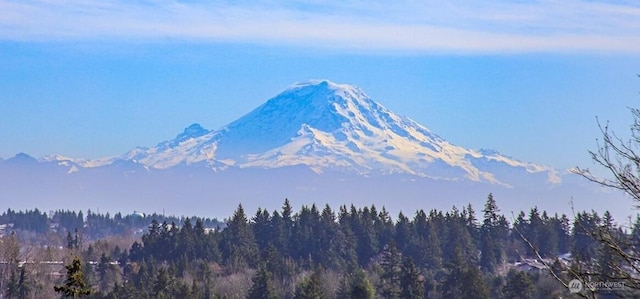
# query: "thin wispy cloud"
{"type": "Point", "coordinates": [460, 26]}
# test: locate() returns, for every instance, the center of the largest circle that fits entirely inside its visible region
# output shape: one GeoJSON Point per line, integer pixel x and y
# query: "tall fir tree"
{"type": "Point", "coordinates": [25, 285]}
{"type": "Point", "coordinates": [262, 287]}
{"type": "Point", "coordinates": [411, 281]}
{"type": "Point", "coordinates": [491, 251]}
{"type": "Point", "coordinates": [464, 279]}
{"type": "Point", "coordinates": [310, 287]}
{"type": "Point", "coordinates": [473, 284]}
{"type": "Point", "coordinates": [391, 263]}
{"type": "Point", "coordinates": [356, 286]}
{"type": "Point", "coordinates": [239, 246]}
{"type": "Point", "coordinates": [262, 228]}
{"type": "Point", "coordinates": [519, 285]}
{"type": "Point", "coordinates": [74, 285]}
{"type": "Point", "coordinates": [12, 286]}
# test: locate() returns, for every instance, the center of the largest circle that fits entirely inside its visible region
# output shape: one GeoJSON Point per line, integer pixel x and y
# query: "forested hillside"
{"type": "Point", "coordinates": [352, 252]}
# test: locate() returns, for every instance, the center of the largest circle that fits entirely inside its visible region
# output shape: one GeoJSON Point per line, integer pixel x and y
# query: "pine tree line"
{"type": "Point", "coordinates": [351, 253]}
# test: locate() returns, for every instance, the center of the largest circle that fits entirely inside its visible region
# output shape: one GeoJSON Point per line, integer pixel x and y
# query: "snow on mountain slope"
{"type": "Point", "coordinates": [337, 127]}
{"type": "Point", "coordinates": [194, 145]}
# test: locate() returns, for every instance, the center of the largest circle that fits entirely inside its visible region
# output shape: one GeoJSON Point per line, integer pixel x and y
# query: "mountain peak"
{"type": "Point", "coordinates": [328, 126]}
{"type": "Point", "coordinates": [193, 131]}
{"type": "Point", "coordinates": [23, 157]}
{"type": "Point", "coordinates": [312, 82]}
{"type": "Point", "coordinates": [314, 103]}
{"type": "Point", "coordinates": [325, 91]}
{"type": "Point", "coordinates": [323, 84]}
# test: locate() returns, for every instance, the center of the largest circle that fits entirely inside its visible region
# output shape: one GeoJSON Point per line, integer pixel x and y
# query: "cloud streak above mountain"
{"type": "Point", "coordinates": [431, 26]}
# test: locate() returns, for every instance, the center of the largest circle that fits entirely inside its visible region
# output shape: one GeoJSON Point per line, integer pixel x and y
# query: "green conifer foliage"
{"type": "Point", "coordinates": [262, 285]}
{"type": "Point", "coordinates": [75, 285]}
{"type": "Point", "coordinates": [310, 287]}
{"type": "Point", "coordinates": [411, 281]}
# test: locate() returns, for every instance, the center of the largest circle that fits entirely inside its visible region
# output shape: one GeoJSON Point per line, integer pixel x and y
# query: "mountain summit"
{"type": "Point", "coordinates": [315, 142]}
{"type": "Point", "coordinates": [332, 127]}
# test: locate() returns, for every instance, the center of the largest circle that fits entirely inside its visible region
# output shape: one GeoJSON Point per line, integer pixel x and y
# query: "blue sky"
{"type": "Point", "coordinates": [90, 79]}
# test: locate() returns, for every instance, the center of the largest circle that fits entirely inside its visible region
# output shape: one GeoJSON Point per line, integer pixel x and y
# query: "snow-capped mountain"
{"type": "Point", "coordinates": [316, 142]}
{"type": "Point", "coordinates": [329, 126]}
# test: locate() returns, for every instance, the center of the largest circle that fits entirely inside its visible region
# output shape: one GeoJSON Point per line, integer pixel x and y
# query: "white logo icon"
{"type": "Point", "coordinates": [575, 286]}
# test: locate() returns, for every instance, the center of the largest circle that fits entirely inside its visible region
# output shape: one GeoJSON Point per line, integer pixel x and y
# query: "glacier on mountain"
{"type": "Point", "coordinates": [328, 126]}
{"type": "Point", "coordinates": [315, 142]}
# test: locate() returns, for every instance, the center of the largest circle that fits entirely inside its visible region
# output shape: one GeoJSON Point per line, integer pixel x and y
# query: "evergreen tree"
{"type": "Point", "coordinates": [310, 287]}
{"type": "Point", "coordinates": [464, 279]}
{"type": "Point", "coordinates": [262, 287]}
{"type": "Point", "coordinates": [418, 247]}
{"type": "Point", "coordinates": [584, 246]}
{"type": "Point", "coordinates": [344, 290]}
{"type": "Point", "coordinates": [534, 231]}
{"type": "Point", "coordinates": [404, 232]}
{"type": "Point", "coordinates": [161, 284]}
{"type": "Point", "coordinates": [452, 284]}
{"type": "Point", "coordinates": [71, 244]}
{"type": "Point", "coordinates": [75, 285]}
{"type": "Point", "coordinates": [391, 263]}
{"type": "Point", "coordinates": [105, 272]}
{"type": "Point", "coordinates": [433, 251]}
{"type": "Point", "coordinates": [262, 228]}
{"type": "Point", "coordinates": [492, 233]}
{"type": "Point", "coordinates": [473, 284]}
{"type": "Point", "coordinates": [203, 279]}
{"type": "Point", "coordinates": [277, 234]}
{"type": "Point", "coordinates": [458, 240]}
{"type": "Point", "coordinates": [490, 212]}
{"type": "Point", "coordinates": [608, 260]}
{"type": "Point", "coordinates": [305, 236]}
{"type": "Point", "coordinates": [24, 285]}
{"type": "Point", "coordinates": [487, 252]}
{"type": "Point", "coordinates": [562, 226]}
{"type": "Point", "coordinates": [348, 244]}
{"type": "Point", "coordinates": [12, 286]}
{"type": "Point", "coordinates": [287, 227]}
{"type": "Point", "coordinates": [356, 286]}
{"type": "Point", "coordinates": [384, 227]}
{"type": "Point", "coordinates": [471, 223]}
{"type": "Point", "coordinates": [519, 285]}
{"type": "Point", "coordinates": [363, 229]}
{"type": "Point", "coordinates": [332, 252]}
{"type": "Point", "coordinates": [411, 281]}
{"type": "Point", "coordinates": [239, 246]}
{"type": "Point", "coordinates": [496, 286]}
{"type": "Point", "coordinates": [186, 242]}
{"type": "Point", "coordinates": [548, 238]}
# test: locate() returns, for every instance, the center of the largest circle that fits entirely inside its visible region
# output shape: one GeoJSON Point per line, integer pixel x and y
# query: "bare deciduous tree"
{"type": "Point", "coordinates": [620, 158]}
{"type": "Point", "coordinates": [615, 269]}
